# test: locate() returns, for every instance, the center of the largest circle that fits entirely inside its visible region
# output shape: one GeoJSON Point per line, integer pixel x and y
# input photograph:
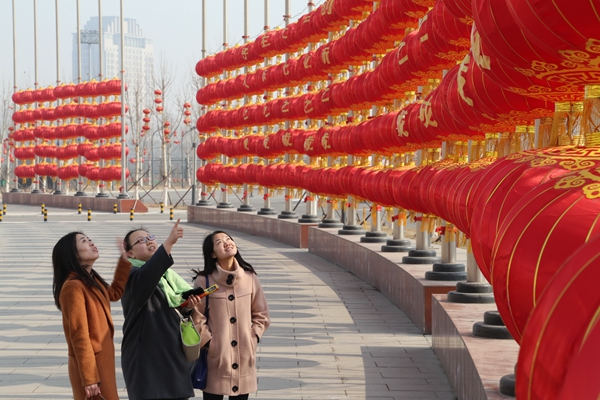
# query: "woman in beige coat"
{"type": "Point", "coordinates": [238, 317]}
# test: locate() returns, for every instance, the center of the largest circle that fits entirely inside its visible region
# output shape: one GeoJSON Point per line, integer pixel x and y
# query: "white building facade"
{"type": "Point", "coordinates": [139, 52]}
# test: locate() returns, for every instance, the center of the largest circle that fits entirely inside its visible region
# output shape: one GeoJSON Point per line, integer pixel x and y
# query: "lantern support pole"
{"type": "Point", "coordinates": [36, 178]}
{"type": "Point", "coordinates": [330, 221]}
{"type": "Point", "coordinates": [224, 202]}
{"type": "Point", "coordinates": [58, 162]}
{"type": "Point", "coordinates": [476, 289]}
{"type": "Point", "coordinates": [311, 203]}
{"type": "Point", "coordinates": [203, 190]}
{"type": "Point", "coordinates": [80, 191]}
{"type": "Point", "coordinates": [245, 207]}
{"type": "Point", "coordinates": [287, 212]}
{"type": "Point", "coordinates": [266, 209]}
{"type": "Point", "coordinates": [350, 227]}
{"type": "Point", "coordinates": [16, 181]}
{"type": "Point", "coordinates": [101, 184]}
{"type": "Point", "coordinates": [398, 242]}
{"type": "Point", "coordinates": [123, 190]}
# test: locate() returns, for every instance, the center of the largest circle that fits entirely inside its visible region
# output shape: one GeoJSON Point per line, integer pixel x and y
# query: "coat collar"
{"type": "Point", "coordinates": [224, 278]}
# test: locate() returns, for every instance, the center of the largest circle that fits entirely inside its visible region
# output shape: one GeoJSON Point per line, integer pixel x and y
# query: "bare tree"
{"type": "Point", "coordinates": [6, 111]}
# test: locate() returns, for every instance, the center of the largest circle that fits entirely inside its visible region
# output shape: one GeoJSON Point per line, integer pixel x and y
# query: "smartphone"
{"type": "Point", "coordinates": [200, 292]}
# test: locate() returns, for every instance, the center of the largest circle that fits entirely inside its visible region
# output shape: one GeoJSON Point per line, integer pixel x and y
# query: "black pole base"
{"type": "Point", "coordinates": [14, 190]}
{"type": "Point", "coordinates": [351, 230]}
{"type": "Point", "coordinates": [397, 246]}
{"type": "Point", "coordinates": [447, 272]}
{"type": "Point", "coordinates": [492, 327]}
{"type": "Point", "coordinates": [122, 196]}
{"type": "Point", "coordinates": [267, 211]}
{"type": "Point", "coordinates": [471, 292]}
{"type": "Point", "coordinates": [309, 219]}
{"type": "Point", "coordinates": [203, 203]}
{"type": "Point", "coordinates": [101, 195]}
{"type": "Point", "coordinates": [421, 257]}
{"type": "Point", "coordinates": [374, 237]}
{"type": "Point", "coordinates": [330, 224]}
{"type": "Point", "coordinates": [78, 194]}
{"type": "Point", "coordinates": [287, 215]}
{"type": "Point", "coordinates": [245, 208]}
{"type": "Point", "coordinates": [36, 191]}
{"type": "Point", "coordinates": [225, 205]}
{"type": "Point", "coordinates": [58, 192]}
{"type": "Point", "coordinates": [507, 385]}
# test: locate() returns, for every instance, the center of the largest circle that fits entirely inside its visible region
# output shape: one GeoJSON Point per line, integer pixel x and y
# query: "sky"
{"type": "Point", "coordinates": [174, 25]}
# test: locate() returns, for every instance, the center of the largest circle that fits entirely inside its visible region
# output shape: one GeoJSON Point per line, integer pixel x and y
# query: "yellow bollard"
{"type": "Point", "coordinates": [162, 207]}
{"type": "Point", "coordinates": [89, 214]}
{"type": "Point", "coordinates": [43, 208]}
{"type": "Point", "coordinates": [115, 208]}
{"type": "Point", "coordinates": [79, 208]}
{"type": "Point", "coordinates": [4, 208]}
{"type": "Point", "coordinates": [45, 215]}
{"type": "Point", "coordinates": [0, 217]}
{"type": "Point", "coordinates": [131, 214]}
{"type": "Point", "coordinates": [171, 214]}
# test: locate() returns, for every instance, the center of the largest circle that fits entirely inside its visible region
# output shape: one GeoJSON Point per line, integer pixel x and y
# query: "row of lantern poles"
{"type": "Point", "coordinates": [123, 155]}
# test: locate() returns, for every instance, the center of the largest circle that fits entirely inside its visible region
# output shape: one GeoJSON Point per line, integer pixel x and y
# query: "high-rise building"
{"type": "Point", "coordinates": [139, 52]}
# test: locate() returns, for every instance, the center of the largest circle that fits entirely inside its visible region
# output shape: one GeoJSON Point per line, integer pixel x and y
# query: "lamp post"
{"type": "Point", "coordinates": [123, 192]}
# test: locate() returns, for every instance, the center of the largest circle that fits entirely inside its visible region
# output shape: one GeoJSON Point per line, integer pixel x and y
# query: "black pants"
{"type": "Point", "coordinates": [210, 396]}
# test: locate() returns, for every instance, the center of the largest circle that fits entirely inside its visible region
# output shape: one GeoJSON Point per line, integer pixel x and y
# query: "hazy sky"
{"type": "Point", "coordinates": [174, 25]}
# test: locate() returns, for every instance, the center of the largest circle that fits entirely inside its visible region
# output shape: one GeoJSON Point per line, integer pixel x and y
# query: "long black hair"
{"type": "Point", "coordinates": [210, 263]}
{"type": "Point", "coordinates": [65, 262]}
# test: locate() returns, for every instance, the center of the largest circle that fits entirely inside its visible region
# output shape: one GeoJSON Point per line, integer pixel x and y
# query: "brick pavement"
{"type": "Point", "coordinates": [332, 336]}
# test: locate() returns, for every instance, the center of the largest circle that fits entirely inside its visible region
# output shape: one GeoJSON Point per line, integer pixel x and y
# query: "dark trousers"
{"type": "Point", "coordinates": [210, 396]}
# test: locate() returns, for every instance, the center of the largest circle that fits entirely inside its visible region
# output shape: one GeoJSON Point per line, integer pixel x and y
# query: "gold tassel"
{"type": "Point", "coordinates": [260, 190]}
{"type": "Point", "coordinates": [590, 125]}
{"type": "Point", "coordinates": [450, 232]}
{"type": "Point", "coordinates": [364, 217]}
{"type": "Point", "coordinates": [545, 133]}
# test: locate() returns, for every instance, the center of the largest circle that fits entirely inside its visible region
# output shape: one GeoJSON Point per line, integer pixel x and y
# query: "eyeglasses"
{"type": "Point", "coordinates": [144, 240]}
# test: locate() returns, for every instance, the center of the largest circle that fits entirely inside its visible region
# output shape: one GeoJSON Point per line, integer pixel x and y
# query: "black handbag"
{"type": "Point", "coordinates": [200, 369]}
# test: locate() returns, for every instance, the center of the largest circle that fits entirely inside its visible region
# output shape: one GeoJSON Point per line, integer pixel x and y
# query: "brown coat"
{"type": "Point", "coordinates": [238, 317]}
{"type": "Point", "coordinates": [89, 332]}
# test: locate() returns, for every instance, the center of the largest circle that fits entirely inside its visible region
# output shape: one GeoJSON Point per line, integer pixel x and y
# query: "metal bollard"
{"type": "Point", "coordinates": [79, 208]}
{"type": "Point", "coordinates": [171, 214]}
{"type": "Point", "coordinates": [43, 208]}
{"type": "Point", "coordinates": [45, 215]}
{"type": "Point", "coordinates": [114, 208]}
{"type": "Point", "coordinates": [131, 214]}
{"type": "Point", "coordinates": [162, 207]}
{"type": "Point", "coordinates": [4, 208]}
{"type": "Point", "coordinates": [0, 217]}
{"type": "Point", "coordinates": [89, 214]}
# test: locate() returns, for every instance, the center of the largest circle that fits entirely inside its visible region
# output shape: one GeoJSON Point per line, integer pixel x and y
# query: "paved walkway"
{"type": "Point", "coordinates": [332, 335]}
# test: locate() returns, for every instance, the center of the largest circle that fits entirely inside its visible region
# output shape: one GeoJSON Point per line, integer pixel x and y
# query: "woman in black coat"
{"type": "Point", "coordinates": [154, 365]}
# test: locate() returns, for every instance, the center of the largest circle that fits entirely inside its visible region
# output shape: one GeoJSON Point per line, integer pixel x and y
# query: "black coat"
{"type": "Point", "coordinates": [153, 362]}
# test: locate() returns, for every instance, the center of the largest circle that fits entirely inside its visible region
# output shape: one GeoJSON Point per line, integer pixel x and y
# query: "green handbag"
{"type": "Point", "coordinates": [190, 338]}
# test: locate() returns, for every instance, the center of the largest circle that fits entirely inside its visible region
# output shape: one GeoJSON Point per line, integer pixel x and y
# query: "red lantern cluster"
{"type": "Point", "coordinates": [87, 89]}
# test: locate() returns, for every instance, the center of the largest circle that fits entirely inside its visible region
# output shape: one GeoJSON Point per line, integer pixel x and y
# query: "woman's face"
{"type": "Point", "coordinates": [223, 247]}
{"type": "Point", "coordinates": [87, 252]}
{"type": "Point", "coordinates": [143, 245]}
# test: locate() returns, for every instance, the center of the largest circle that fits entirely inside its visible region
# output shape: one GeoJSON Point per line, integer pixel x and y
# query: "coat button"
{"type": "Point", "coordinates": [232, 320]}
{"type": "Point", "coordinates": [234, 366]}
{"type": "Point", "coordinates": [234, 343]}
{"type": "Point", "coordinates": [231, 297]}
{"type": "Point", "coordinates": [235, 388]}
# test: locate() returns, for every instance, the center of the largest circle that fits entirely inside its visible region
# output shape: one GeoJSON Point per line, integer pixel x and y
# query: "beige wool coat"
{"type": "Point", "coordinates": [238, 318]}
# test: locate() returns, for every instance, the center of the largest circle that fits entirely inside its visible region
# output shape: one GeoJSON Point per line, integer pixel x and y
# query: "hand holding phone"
{"type": "Point", "coordinates": [199, 292]}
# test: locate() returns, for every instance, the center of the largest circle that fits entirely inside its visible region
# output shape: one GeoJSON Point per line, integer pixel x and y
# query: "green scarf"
{"type": "Point", "coordinates": [170, 283]}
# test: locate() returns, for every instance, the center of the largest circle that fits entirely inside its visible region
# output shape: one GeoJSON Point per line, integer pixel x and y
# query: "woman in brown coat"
{"type": "Point", "coordinates": [238, 316]}
{"type": "Point", "coordinates": [84, 300]}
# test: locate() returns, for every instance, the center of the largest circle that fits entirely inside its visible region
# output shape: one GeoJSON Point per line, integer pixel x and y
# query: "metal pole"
{"type": "Point", "coordinates": [123, 191]}
{"type": "Point", "coordinates": [194, 169]}
{"type": "Point", "coordinates": [80, 191]}
{"type": "Point", "coordinates": [16, 188]}
{"type": "Point", "coordinates": [245, 207]}
{"type": "Point", "coordinates": [58, 180]}
{"type": "Point", "coordinates": [36, 178]}
{"type": "Point", "coordinates": [203, 201]}
{"type": "Point", "coordinates": [101, 184]}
